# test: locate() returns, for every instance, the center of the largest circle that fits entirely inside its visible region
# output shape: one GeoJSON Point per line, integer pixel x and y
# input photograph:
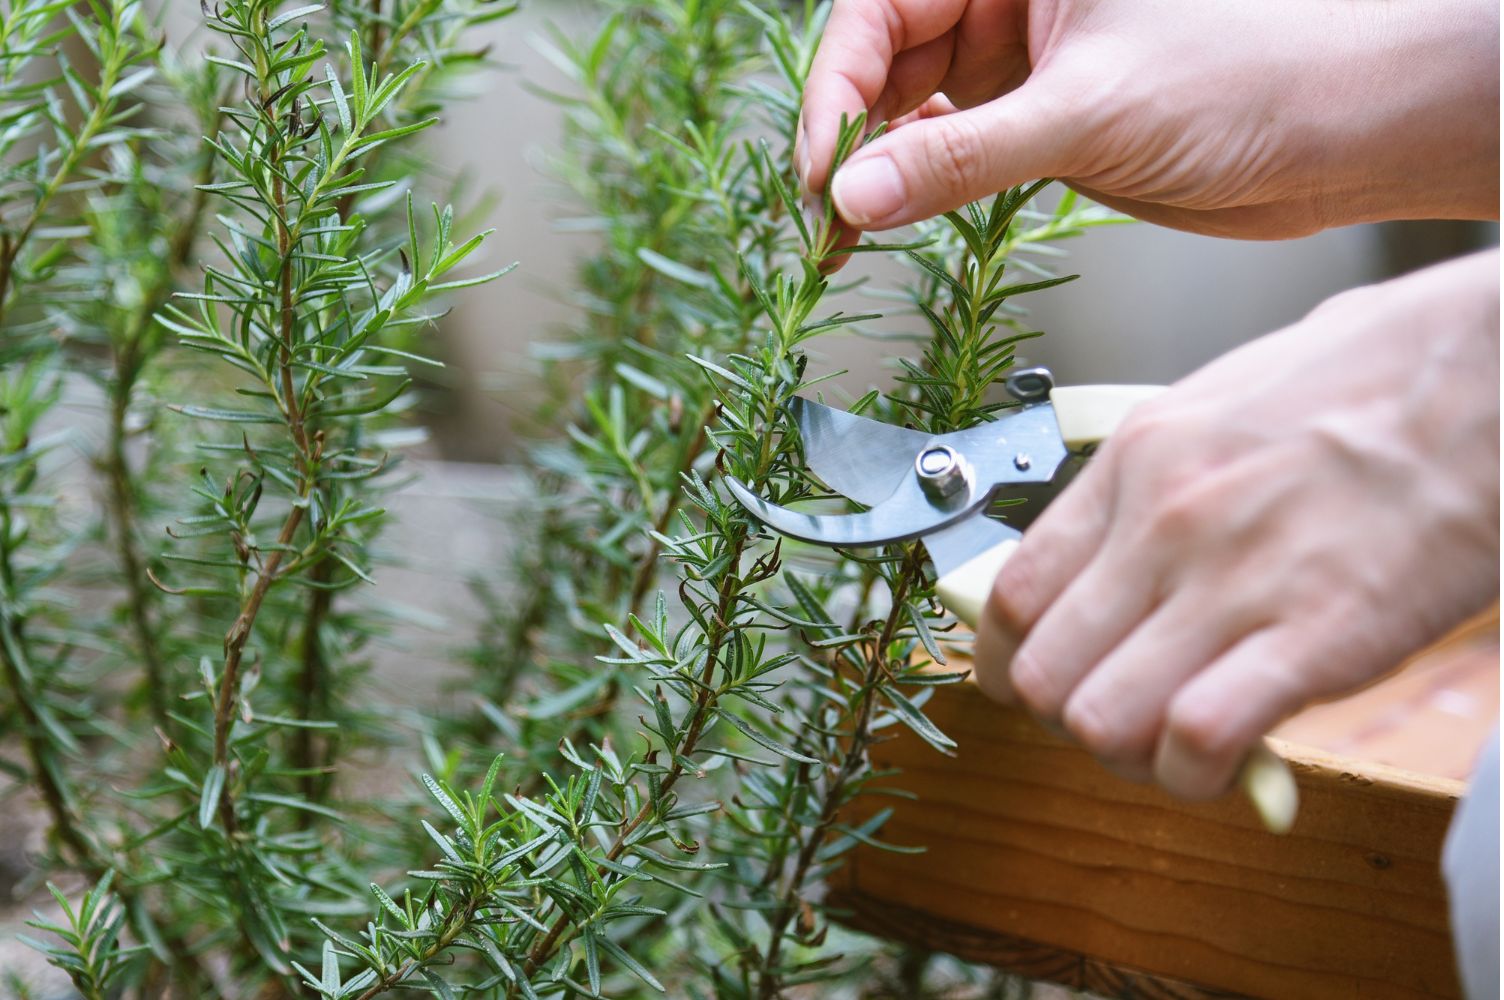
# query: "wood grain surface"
{"type": "Point", "coordinates": [1041, 861]}
{"type": "Point", "coordinates": [1431, 716]}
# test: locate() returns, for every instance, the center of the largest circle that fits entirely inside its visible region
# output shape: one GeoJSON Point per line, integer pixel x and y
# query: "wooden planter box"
{"type": "Point", "coordinates": [1041, 862]}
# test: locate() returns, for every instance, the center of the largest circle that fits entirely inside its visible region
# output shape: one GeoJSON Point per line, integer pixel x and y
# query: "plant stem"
{"type": "Point", "coordinates": [139, 596]}
{"type": "Point", "coordinates": [46, 769]}
{"type": "Point", "coordinates": [240, 631]}
{"type": "Point", "coordinates": [705, 703]}
{"type": "Point", "coordinates": [128, 362]}
{"type": "Point", "coordinates": [11, 246]}
{"type": "Point", "coordinates": [454, 926]}
{"type": "Point", "coordinates": [648, 565]}
{"type": "Point", "coordinates": [706, 698]}
{"type": "Point", "coordinates": [310, 751]}
{"type": "Point", "coordinates": [235, 640]}
{"type": "Point", "coordinates": [9, 249]}
{"type": "Point", "coordinates": [373, 44]}
{"type": "Point", "coordinates": [414, 19]}
{"type": "Point", "coordinates": [853, 761]}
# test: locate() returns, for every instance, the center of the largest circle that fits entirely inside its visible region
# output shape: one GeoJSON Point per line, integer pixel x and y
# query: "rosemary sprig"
{"type": "Point", "coordinates": [685, 722]}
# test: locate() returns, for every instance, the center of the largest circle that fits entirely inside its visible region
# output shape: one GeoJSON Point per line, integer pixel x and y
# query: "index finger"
{"type": "Point", "coordinates": [1055, 550]}
{"type": "Point", "coordinates": [851, 68]}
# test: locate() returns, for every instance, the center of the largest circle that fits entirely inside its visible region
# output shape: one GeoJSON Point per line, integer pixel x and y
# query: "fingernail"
{"type": "Point", "coordinates": [810, 208]}
{"type": "Point", "coordinates": [868, 191]}
{"type": "Point", "coordinates": [1084, 722]}
{"type": "Point", "coordinates": [805, 165]}
{"type": "Point", "coordinates": [1186, 774]}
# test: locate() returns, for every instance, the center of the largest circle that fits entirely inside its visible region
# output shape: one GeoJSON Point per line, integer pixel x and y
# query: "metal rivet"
{"type": "Point", "coordinates": [1022, 461]}
{"type": "Point", "coordinates": [936, 461]}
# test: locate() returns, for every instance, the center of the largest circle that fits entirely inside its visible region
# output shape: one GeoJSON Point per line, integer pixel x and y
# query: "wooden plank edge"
{"type": "Point", "coordinates": [1075, 970]}
{"type": "Point", "coordinates": [859, 898]}
{"type": "Point", "coordinates": [1314, 765]}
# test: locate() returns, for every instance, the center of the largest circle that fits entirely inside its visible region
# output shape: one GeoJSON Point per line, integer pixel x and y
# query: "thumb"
{"type": "Point", "coordinates": [935, 165]}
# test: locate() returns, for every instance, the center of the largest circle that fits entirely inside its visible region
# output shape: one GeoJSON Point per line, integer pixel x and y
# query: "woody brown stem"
{"type": "Point", "coordinates": [235, 640]}
{"type": "Point", "coordinates": [852, 762]}
{"type": "Point", "coordinates": [704, 705]}
{"type": "Point", "coordinates": [310, 749]}
{"type": "Point", "coordinates": [647, 566]}
{"type": "Point", "coordinates": [240, 632]}
{"type": "Point", "coordinates": [128, 362]}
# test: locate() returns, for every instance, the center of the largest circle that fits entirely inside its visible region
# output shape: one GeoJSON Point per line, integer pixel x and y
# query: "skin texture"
{"type": "Point", "coordinates": [1258, 121]}
{"type": "Point", "coordinates": [1283, 525]}
{"type": "Point", "coordinates": [1300, 515]}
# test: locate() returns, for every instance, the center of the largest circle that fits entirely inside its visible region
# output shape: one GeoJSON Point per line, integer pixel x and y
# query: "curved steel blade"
{"type": "Point", "coordinates": [858, 457]}
{"type": "Point", "coordinates": [965, 532]}
{"type": "Point", "coordinates": [1024, 447]}
{"type": "Point", "coordinates": [906, 513]}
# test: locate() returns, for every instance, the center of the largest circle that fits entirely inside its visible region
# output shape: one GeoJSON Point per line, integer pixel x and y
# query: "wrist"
{"type": "Point", "coordinates": [1414, 133]}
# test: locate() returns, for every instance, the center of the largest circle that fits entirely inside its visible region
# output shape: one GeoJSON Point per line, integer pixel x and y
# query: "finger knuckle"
{"type": "Point", "coordinates": [1344, 302]}
{"type": "Point", "coordinates": [1014, 596]}
{"type": "Point", "coordinates": [1146, 428]}
{"type": "Point", "coordinates": [1087, 107]}
{"type": "Point", "coordinates": [1192, 498]}
{"type": "Point", "coordinates": [1094, 729]}
{"type": "Point", "coordinates": [954, 151]}
{"type": "Point", "coordinates": [1285, 683]}
{"type": "Point", "coordinates": [1257, 600]}
{"type": "Point", "coordinates": [1182, 514]}
{"type": "Point", "coordinates": [1034, 685]}
{"type": "Point", "coordinates": [1197, 729]}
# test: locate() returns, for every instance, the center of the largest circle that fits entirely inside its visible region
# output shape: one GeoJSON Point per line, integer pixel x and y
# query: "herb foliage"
{"type": "Point", "coordinates": [670, 716]}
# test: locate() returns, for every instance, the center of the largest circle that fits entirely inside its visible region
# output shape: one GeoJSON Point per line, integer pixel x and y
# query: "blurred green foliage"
{"type": "Point", "coordinates": [670, 709]}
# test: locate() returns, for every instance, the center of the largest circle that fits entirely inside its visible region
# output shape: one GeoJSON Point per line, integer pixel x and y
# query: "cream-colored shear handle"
{"type": "Point", "coordinates": [1088, 414]}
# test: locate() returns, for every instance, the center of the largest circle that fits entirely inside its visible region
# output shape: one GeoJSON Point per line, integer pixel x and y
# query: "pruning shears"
{"type": "Point", "coordinates": [939, 488]}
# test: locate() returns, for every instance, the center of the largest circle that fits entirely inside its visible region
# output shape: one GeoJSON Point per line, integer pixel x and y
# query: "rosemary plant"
{"type": "Point", "coordinates": [313, 290]}
{"type": "Point", "coordinates": [310, 310]}
{"type": "Point", "coordinates": [671, 718]}
{"type": "Point", "coordinates": [709, 317]}
{"type": "Point", "coordinates": [57, 119]}
{"type": "Point", "coordinates": [91, 952]}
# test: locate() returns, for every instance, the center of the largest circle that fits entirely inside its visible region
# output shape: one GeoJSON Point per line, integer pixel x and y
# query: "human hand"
{"type": "Point", "coordinates": [1283, 525]}
{"type": "Point", "coordinates": [1257, 121]}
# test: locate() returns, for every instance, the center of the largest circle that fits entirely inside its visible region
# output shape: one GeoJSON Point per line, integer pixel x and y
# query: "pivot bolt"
{"type": "Point", "coordinates": [942, 472]}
